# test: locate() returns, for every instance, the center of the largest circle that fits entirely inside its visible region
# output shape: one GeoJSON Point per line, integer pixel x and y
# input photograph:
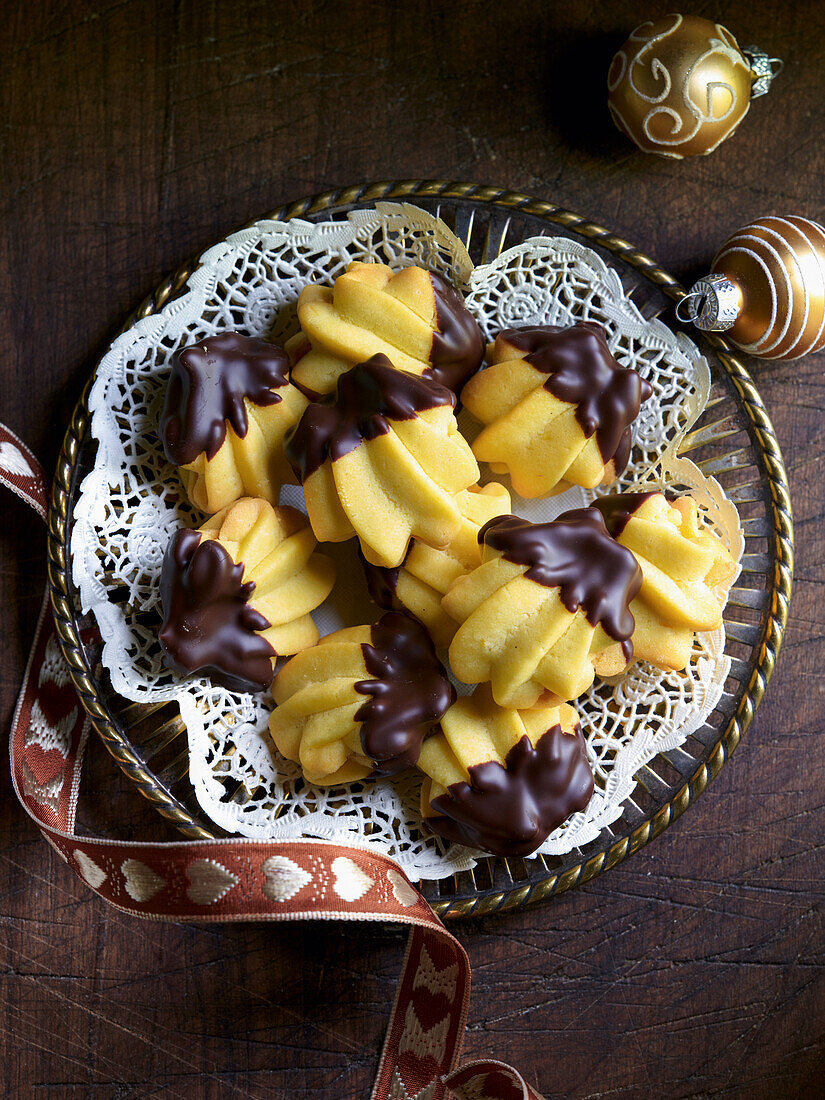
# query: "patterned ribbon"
{"type": "Point", "coordinates": [237, 879]}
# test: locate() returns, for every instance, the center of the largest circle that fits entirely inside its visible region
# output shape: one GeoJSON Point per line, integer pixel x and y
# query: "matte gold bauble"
{"type": "Point", "coordinates": [680, 85]}
{"type": "Point", "coordinates": [766, 290]}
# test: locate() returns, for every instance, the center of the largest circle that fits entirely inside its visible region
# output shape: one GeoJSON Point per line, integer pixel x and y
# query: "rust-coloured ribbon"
{"type": "Point", "coordinates": [237, 879]}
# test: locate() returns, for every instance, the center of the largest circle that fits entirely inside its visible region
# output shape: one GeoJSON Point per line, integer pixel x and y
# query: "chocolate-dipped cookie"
{"type": "Point", "coordinates": [361, 702]}
{"type": "Point", "coordinates": [419, 583]}
{"type": "Point", "coordinates": [549, 604]}
{"type": "Point", "coordinates": [228, 403]}
{"type": "Point", "coordinates": [500, 779]}
{"type": "Point", "coordinates": [557, 408]}
{"type": "Point", "coordinates": [382, 458]}
{"type": "Point", "coordinates": [237, 594]}
{"type": "Point", "coordinates": [413, 316]}
{"type": "Point", "coordinates": [683, 564]}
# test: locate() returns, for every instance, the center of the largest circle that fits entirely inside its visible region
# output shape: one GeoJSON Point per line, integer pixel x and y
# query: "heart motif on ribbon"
{"type": "Point", "coordinates": [94, 875]}
{"type": "Point", "coordinates": [12, 460]}
{"type": "Point", "coordinates": [208, 881]}
{"type": "Point", "coordinates": [283, 878]}
{"type": "Point", "coordinates": [51, 735]}
{"type": "Point", "coordinates": [350, 883]}
{"type": "Point", "coordinates": [401, 889]}
{"type": "Point", "coordinates": [142, 883]}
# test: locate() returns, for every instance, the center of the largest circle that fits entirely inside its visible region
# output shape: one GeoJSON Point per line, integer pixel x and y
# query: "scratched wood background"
{"type": "Point", "coordinates": [133, 134]}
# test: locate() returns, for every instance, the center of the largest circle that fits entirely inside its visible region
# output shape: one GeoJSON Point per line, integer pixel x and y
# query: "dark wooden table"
{"type": "Point", "coordinates": [133, 134]}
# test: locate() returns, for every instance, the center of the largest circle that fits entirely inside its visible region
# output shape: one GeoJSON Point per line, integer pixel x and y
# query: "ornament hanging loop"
{"type": "Point", "coordinates": [763, 68]}
{"type": "Point", "coordinates": [712, 304]}
{"type": "Point", "coordinates": [688, 307]}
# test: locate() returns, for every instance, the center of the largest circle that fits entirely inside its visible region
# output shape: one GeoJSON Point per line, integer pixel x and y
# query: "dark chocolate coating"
{"type": "Point", "coordinates": [617, 509]}
{"type": "Point", "coordinates": [208, 624]}
{"type": "Point", "coordinates": [576, 554]}
{"type": "Point", "coordinates": [365, 400]}
{"type": "Point", "coordinates": [409, 693]}
{"type": "Point", "coordinates": [382, 584]}
{"type": "Point", "coordinates": [458, 347]}
{"type": "Point", "coordinates": [511, 810]}
{"type": "Point", "coordinates": [582, 371]}
{"type": "Point", "coordinates": [207, 387]}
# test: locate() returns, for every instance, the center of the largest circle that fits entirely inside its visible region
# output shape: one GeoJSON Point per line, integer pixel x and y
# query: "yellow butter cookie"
{"type": "Point", "coordinates": [422, 579]}
{"type": "Point", "coordinates": [557, 408]}
{"type": "Point", "coordinates": [228, 403]}
{"type": "Point", "coordinates": [682, 564]}
{"type": "Point", "coordinates": [412, 316]}
{"type": "Point", "coordinates": [361, 702]}
{"type": "Point", "coordinates": [547, 607]}
{"type": "Point", "coordinates": [382, 458]}
{"type": "Point", "coordinates": [237, 593]}
{"type": "Point", "coordinates": [502, 780]}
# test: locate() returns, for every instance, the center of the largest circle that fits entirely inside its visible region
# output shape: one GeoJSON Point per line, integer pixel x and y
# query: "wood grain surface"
{"type": "Point", "coordinates": [133, 134]}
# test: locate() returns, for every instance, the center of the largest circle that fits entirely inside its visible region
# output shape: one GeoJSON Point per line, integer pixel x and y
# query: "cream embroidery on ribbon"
{"type": "Point", "coordinates": [399, 1092]}
{"type": "Point", "coordinates": [13, 461]}
{"type": "Point", "coordinates": [283, 878]}
{"type": "Point", "coordinates": [47, 735]}
{"type": "Point", "coordinates": [54, 669]}
{"type": "Point", "coordinates": [437, 981]}
{"type": "Point", "coordinates": [46, 794]}
{"type": "Point", "coordinates": [421, 1041]}
{"type": "Point", "coordinates": [350, 883]}
{"type": "Point", "coordinates": [141, 882]}
{"type": "Point", "coordinates": [94, 875]}
{"type": "Point", "coordinates": [403, 893]}
{"type": "Point", "coordinates": [208, 881]}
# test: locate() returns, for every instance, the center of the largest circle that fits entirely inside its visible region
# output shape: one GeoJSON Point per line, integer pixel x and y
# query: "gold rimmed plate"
{"type": "Point", "coordinates": [734, 442]}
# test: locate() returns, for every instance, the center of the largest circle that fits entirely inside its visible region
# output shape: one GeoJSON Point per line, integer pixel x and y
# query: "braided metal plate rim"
{"type": "Point", "coordinates": [775, 475]}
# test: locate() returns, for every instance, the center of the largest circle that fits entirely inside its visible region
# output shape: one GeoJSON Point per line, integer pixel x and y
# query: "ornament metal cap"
{"type": "Point", "coordinates": [712, 304]}
{"type": "Point", "coordinates": [763, 68]}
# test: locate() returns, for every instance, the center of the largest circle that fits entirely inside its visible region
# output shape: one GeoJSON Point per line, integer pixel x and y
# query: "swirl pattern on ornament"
{"type": "Point", "coordinates": [679, 86]}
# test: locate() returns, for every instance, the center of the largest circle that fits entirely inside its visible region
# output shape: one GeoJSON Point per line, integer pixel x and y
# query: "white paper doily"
{"type": "Point", "coordinates": [131, 503]}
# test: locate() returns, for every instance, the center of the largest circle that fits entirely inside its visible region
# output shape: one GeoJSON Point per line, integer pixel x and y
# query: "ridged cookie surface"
{"type": "Point", "coordinates": [502, 780]}
{"type": "Point", "coordinates": [382, 458]}
{"type": "Point", "coordinates": [549, 604]}
{"type": "Point", "coordinates": [361, 702]}
{"type": "Point", "coordinates": [412, 316]}
{"type": "Point", "coordinates": [423, 578]}
{"type": "Point", "coordinates": [237, 593]}
{"type": "Point", "coordinates": [228, 403]}
{"type": "Point", "coordinates": [682, 563]}
{"type": "Point", "coordinates": [557, 408]}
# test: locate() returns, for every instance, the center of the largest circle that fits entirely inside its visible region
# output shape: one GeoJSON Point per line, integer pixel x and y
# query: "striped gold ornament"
{"type": "Point", "coordinates": [766, 289]}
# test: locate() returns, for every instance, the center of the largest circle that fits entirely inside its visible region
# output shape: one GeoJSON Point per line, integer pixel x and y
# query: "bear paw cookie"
{"type": "Point", "coordinates": [237, 593]}
{"type": "Point", "coordinates": [682, 565]}
{"type": "Point", "coordinates": [412, 316]}
{"type": "Point", "coordinates": [557, 408]}
{"type": "Point", "coordinates": [502, 780]}
{"type": "Point", "coordinates": [382, 458]}
{"type": "Point", "coordinates": [361, 702]}
{"type": "Point", "coordinates": [228, 403]}
{"type": "Point", "coordinates": [548, 606]}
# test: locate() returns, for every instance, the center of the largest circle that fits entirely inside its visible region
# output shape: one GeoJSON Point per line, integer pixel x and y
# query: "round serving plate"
{"type": "Point", "coordinates": [734, 442]}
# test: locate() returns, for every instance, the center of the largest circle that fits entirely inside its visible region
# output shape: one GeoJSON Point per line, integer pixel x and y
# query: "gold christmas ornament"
{"type": "Point", "coordinates": [680, 85]}
{"type": "Point", "coordinates": [766, 289]}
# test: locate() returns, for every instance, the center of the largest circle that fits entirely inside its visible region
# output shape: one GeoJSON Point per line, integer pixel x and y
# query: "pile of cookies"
{"type": "Point", "coordinates": [359, 409]}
